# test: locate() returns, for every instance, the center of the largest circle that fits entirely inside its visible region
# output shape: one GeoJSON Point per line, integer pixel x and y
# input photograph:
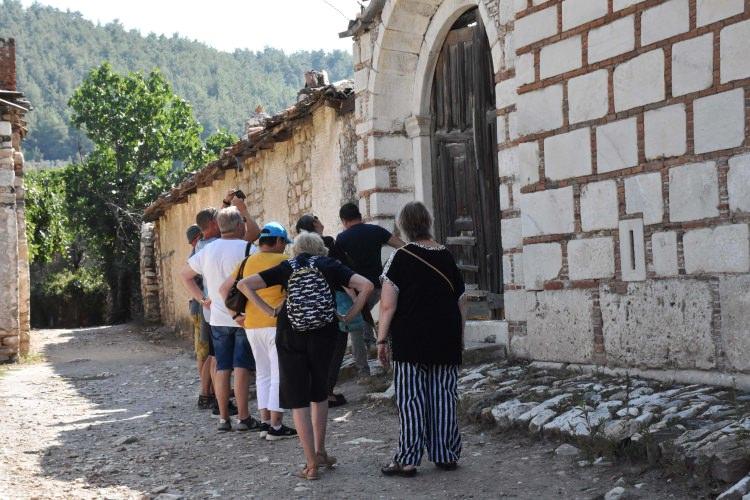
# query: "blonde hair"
{"type": "Point", "coordinates": [229, 220]}
{"type": "Point", "coordinates": [310, 243]}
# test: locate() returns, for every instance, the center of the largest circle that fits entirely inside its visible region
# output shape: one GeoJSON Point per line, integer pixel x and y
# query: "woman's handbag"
{"type": "Point", "coordinates": [236, 300]}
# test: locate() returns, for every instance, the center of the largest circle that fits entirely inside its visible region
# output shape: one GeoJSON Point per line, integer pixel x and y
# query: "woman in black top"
{"type": "Point", "coordinates": [311, 223]}
{"type": "Point", "coordinates": [305, 357]}
{"type": "Point", "coordinates": [421, 309]}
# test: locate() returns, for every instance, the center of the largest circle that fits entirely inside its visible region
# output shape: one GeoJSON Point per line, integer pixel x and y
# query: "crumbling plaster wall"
{"type": "Point", "coordinates": [307, 173]}
{"type": "Point", "coordinates": [623, 166]}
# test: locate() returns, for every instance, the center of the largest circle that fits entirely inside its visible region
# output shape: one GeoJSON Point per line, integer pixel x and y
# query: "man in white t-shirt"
{"type": "Point", "coordinates": [232, 351]}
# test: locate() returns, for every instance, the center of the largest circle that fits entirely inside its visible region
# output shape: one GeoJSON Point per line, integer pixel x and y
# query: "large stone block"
{"type": "Point", "coordinates": [525, 68]}
{"type": "Point", "coordinates": [560, 327]}
{"type": "Point", "coordinates": [616, 145]}
{"type": "Point", "coordinates": [560, 57]}
{"type": "Point", "coordinates": [388, 203]}
{"type": "Point", "coordinates": [507, 162]}
{"type": "Point", "coordinates": [591, 258]}
{"type": "Point", "coordinates": [723, 249]}
{"type": "Point", "coordinates": [542, 262]}
{"type": "Point", "coordinates": [540, 110]}
{"type": "Point", "coordinates": [588, 97]}
{"type": "Point", "coordinates": [639, 81]}
{"type": "Point", "coordinates": [692, 64]}
{"type": "Point", "coordinates": [510, 232]}
{"type": "Point", "coordinates": [734, 292]}
{"type": "Point", "coordinates": [664, 253]}
{"type": "Point", "coordinates": [518, 269]}
{"type": "Point", "coordinates": [536, 209]}
{"type": "Point", "coordinates": [665, 131]}
{"type": "Point", "coordinates": [599, 209]}
{"type": "Point", "coordinates": [505, 93]}
{"type": "Point", "coordinates": [665, 20]}
{"type": "Point", "coordinates": [373, 178]}
{"type": "Point", "coordinates": [659, 324]}
{"type": "Point", "coordinates": [611, 39]}
{"type": "Point", "coordinates": [738, 183]}
{"type": "Point", "coordinates": [578, 12]}
{"type": "Point", "coordinates": [709, 11]}
{"type": "Point", "coordinates": [735, 63]}
{"type": "Point", "coordinates": [719, 121]}
{"type": "Point", "coordinates": [693, 192]}
{"type": "Point", "coordinates": [535, 27]}
{"type": "Point", "coordinates": [5, 129]}
{"type": "Point", "coordinates": [643, 194]}
{"type": "Point", "coordinates": [516, 304]}
{"type": "Point", "coordinates": [528, 162]}
{"type": "Point", "coordinates": [568, 155]}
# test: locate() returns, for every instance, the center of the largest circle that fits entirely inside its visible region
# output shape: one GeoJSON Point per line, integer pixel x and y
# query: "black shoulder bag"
{"type": "Point", "coordinates": [236, 300]}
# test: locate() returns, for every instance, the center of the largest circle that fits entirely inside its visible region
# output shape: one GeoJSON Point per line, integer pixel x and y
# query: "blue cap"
{"type": "Point", "coordinates": [274, 229]}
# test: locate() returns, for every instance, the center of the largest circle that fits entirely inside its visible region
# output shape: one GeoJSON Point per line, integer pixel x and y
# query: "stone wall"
{"type": "Point", "coordinates": [14, 267]}
{"type": "Point", "coordinates": [623, 161]}
{"type": "Point", "coordinates": [311, 172]}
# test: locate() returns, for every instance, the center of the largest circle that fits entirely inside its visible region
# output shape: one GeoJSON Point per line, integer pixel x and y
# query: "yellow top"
{"type": "Point", "coordinates": [273, 296]}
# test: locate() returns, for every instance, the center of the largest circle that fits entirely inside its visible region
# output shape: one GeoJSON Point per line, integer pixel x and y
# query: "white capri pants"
{"type": "Point", "coordinates": [263, 343]}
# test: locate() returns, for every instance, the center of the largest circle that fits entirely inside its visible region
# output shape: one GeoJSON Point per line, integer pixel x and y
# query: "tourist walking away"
{"type": "Point", "coordinates": [260, 329]}
{"type": "Point", "coordinates": [421, 313]}
{"type": "Point", "coordinates": [216, 262]}
{"type": "Point", "coordinates": [306, 332]}
{"type": "Point", "coordinates": [205, 397]}
{"type": "Point", "coordinates": [312, 224]}
{"type": "Point", "coordinates": [359, 247]}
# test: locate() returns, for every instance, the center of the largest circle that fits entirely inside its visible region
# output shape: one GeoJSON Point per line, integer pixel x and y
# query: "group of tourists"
{"type": "Point", "coordinates": [286, 320]}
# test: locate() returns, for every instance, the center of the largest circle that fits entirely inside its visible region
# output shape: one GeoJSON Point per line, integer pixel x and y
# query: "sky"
{"type": "Point", "coordinates": [228, 24]}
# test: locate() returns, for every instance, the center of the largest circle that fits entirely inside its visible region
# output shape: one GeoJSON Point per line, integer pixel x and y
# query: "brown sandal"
{"type": "Point", "coordinates": [325, 459]}
{"type": "Point", "coordinates": [308, 473]}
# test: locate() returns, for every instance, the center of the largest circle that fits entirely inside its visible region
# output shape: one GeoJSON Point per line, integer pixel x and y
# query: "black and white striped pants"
{"type": "Point", "coordinates": [426, 397]}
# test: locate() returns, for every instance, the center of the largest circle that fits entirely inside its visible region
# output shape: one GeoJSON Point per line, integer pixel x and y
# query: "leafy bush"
{"type": "Point", "coordinates": [69, 298]}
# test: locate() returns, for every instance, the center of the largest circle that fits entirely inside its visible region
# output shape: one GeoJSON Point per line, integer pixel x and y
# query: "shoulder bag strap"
{"type": "Point", "coordinates": [431, 266]}
{"type": "Point", "coordinates": [248, 248]}
{"type": "Point", "coordinates": [241, 271]}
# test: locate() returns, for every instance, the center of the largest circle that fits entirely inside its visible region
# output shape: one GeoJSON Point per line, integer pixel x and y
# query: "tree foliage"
{"type": "Point", "coordinates": [57, 49]}
{"type": "Point", "coordinates": [144, 137]}
{"type": "Point", "coordinates": [47, 229]}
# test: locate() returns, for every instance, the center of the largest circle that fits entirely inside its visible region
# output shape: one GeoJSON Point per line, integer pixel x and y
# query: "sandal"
{"type": "Point", "coordinates": [338, 400]}
{"type": "Point", "coordinates": [308, 473]}
{"type": "Point", "coordinates": [395, 469]}
{"type": "Point", "coordinates": [325, 459]}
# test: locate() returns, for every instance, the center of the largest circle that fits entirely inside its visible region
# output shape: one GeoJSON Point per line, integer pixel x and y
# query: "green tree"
{"type": "Point", "coordinates": [47, 229]}
{"type": "Point", "coordinates": [143, 136]}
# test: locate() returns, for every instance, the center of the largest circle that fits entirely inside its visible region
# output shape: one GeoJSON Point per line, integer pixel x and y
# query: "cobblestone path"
{"type": "Point", "coordinates": [110, 413]}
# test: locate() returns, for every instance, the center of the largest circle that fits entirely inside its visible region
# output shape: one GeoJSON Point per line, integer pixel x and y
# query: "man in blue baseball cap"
{"type": "Point", "coordinates": [260, 329]}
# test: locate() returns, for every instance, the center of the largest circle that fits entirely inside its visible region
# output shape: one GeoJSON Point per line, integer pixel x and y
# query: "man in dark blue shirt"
{"type": "Point", "coordinates": [359, 247]}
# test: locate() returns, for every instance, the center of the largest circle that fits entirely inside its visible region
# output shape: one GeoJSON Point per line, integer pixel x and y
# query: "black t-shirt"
{"type": "Point", "coordinates": [335, 273]}
{"type": "Point", "coordinates": [426, 327]}
{"type": "Point", "coordinates": [359, 248]}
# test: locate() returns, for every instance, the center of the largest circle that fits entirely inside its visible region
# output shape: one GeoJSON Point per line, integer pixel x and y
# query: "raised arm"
{"type": "Point", "coordinates": [252, 231]}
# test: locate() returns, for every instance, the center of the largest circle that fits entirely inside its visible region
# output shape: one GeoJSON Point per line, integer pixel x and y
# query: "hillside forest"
{"type": "Point", "coordinates": [56, 49]}
{"type": "Point", "coordinates": [121, 118]}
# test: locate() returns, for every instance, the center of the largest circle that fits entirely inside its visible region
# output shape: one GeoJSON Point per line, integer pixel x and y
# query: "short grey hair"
{"type": "Point", "coordinates": [310, 243]}
{"type": "Point", "coordinates": [229, 219]}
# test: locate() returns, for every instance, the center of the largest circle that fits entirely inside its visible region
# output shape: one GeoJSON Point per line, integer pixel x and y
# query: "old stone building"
{"type": "Point", "coordinates": [587, 162]}
{"type": "Point", "coordinates": [14, 266]}
{"type": "Point", "coordinates": [302, 160]}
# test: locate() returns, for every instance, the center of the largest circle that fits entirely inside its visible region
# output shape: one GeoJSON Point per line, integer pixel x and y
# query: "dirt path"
{"type": "Point", "coordinates": [109, 414]}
